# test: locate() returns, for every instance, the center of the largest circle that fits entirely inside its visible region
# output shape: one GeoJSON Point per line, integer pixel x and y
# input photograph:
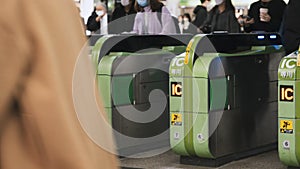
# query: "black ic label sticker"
{"type": "Point", "coordinates": [176, 89]}
{"type": "Point", "coordinates": [286, 93]}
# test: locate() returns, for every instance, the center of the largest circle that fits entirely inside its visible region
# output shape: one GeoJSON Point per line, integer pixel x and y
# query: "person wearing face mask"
{"type": "Point", "coordinates": [153, 18]}
{"type": "Point", "coordinates": [265, 15]}
{"type": "Point", "coordinates": [200, 13]}
{"type": "Point", "coordinates": [186, 25]}
{"type": "Point", "coordinates": [180, 23]}
{"type": "Point", "coordinates": [221, 18]}
{"type": "Point", "coordinates": [124, 15]}
{"type": "Point", "coordinates": [98, 19]}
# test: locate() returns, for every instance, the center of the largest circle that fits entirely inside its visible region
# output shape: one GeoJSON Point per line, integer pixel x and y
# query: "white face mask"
{"type": "Point", "coordinates": [186, 24]}
{"type": "Point", "coordinates": [100, 13]}
{"type": "Point", "coordinates": [125, 2]}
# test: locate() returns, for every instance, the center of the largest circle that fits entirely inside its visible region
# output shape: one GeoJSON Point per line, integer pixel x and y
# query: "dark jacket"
{"type": "Point", "coordinates": [92, 24]}
{"type": "Point", "coordinates": [275, 10]}
{"type": "Point", "coordinates": [201, 14]}
{"type": "Point", "coordinates": [291, 26]}
{"type": "Point", "coordinates": [122, 21]}
{"type": "Point", "coordinates": [225, 21]}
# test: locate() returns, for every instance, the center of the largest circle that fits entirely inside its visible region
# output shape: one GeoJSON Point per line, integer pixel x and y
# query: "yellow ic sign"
{"type": "Point", "coordinates": [176, 89]}
{"type": "Point", "coordinates": [286, 126]}
{"type": "Point", "coordinates": [176, 119]}
{"type": "Point", "coordinates": [286, 93]}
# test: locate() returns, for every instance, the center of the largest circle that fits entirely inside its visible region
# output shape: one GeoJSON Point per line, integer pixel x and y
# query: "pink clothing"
{"type": "Point", "coordinates": [148, 22]}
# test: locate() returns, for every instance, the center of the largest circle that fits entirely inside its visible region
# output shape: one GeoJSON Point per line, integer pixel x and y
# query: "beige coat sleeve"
{"type": "Point", "coordinates": [39, 44]}
{"type": "Point", "coordinates": [14, 57]}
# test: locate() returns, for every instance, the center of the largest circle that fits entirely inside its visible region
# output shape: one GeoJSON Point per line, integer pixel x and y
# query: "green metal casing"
{"type": "Point", "coordinates": [200, 95]}
{"type": "Point", "coordinates": [207, 98]}
{"type": "Point", "coordinates": [106, 84]}
{"type": "Point", "coordinates": [289, 111]}
{"type": "Point", "coordinates": [102, 76]}
{"type": "Point", "coordinates": [181, 133]}
{"type": "Point", "coordinates": [176, 107]}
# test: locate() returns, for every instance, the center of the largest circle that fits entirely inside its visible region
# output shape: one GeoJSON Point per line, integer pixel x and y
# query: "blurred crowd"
{"type": "Point", "coordinates": [211, 16]}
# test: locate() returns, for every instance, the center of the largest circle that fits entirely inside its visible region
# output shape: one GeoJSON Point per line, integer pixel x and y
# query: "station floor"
{"type": "Point", "coordinates": [170, 160]}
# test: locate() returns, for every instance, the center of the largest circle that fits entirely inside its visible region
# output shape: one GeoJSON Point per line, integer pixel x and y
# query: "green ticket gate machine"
{"type": "Point", "coordinates": [223, 97]}
{"type": "Point", "coordinates": [289, 110]}
{"type": "Point", "coordinates": [133, 80]}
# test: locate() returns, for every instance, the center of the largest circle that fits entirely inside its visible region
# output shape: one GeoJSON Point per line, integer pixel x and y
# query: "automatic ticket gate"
{"type": "Point", "coordinates": [223, 97]}
{"type": "Point", "coordinates": [133, 80]}
{"type": "Point", "coordinates": [289, 110]}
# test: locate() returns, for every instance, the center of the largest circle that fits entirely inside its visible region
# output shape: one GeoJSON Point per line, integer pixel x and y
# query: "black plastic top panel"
{"type": "Point", "coordinates": [231, 43]}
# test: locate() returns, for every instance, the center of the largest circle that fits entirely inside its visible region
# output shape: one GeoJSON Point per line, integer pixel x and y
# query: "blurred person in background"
{"type": "Point", "coordinates": [291, 26]}
{"type": "Point", "coordinates": [180, 23]}
{"type": "Point", "coordinates": [153, 18]}
{"type": "Point", "coordinates": [39, 128]}
{"type": "Point", "coordinates": [200, 13]}
{"type": "Point", "coordinates": [221, 18]}
{"type": "Point", "coordinates": [97, 22]}
{"type": "Point", "coordinates": [186, 25]}
{"type": "Point", "coordinates": [265, 15]}
{"type": "Point", "coordinates": [123, 17]}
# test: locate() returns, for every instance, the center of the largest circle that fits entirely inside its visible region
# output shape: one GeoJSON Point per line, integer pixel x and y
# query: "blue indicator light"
{"type": "Point", "coordinates": [277, 47]}
{"type": "Point", "coordinates": [273, 37]}
{"type": "Point", "coordinates": [260, 37]}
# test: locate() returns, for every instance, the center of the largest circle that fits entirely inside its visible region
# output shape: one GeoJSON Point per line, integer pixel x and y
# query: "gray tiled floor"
{"type": "Point", "coordinates": [169, 160]}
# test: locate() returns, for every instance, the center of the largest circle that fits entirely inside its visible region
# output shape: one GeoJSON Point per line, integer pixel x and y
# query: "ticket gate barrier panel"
{"type": "Point", "coordinates": [133, 80]}
{"type": "Point", "coordinates": [227, 107]}
{"type": "Point", "coordinates": [94, 38]}
{"type": "Point", "coordinates": [289, 110]}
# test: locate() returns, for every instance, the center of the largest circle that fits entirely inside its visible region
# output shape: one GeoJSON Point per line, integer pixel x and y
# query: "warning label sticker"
{"type": "Point", "coordinates": [176, 119]}
{"type": "Point", "coordinates": [286, 126]}
{"type": "Point", "coordinates": [187, 52]}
